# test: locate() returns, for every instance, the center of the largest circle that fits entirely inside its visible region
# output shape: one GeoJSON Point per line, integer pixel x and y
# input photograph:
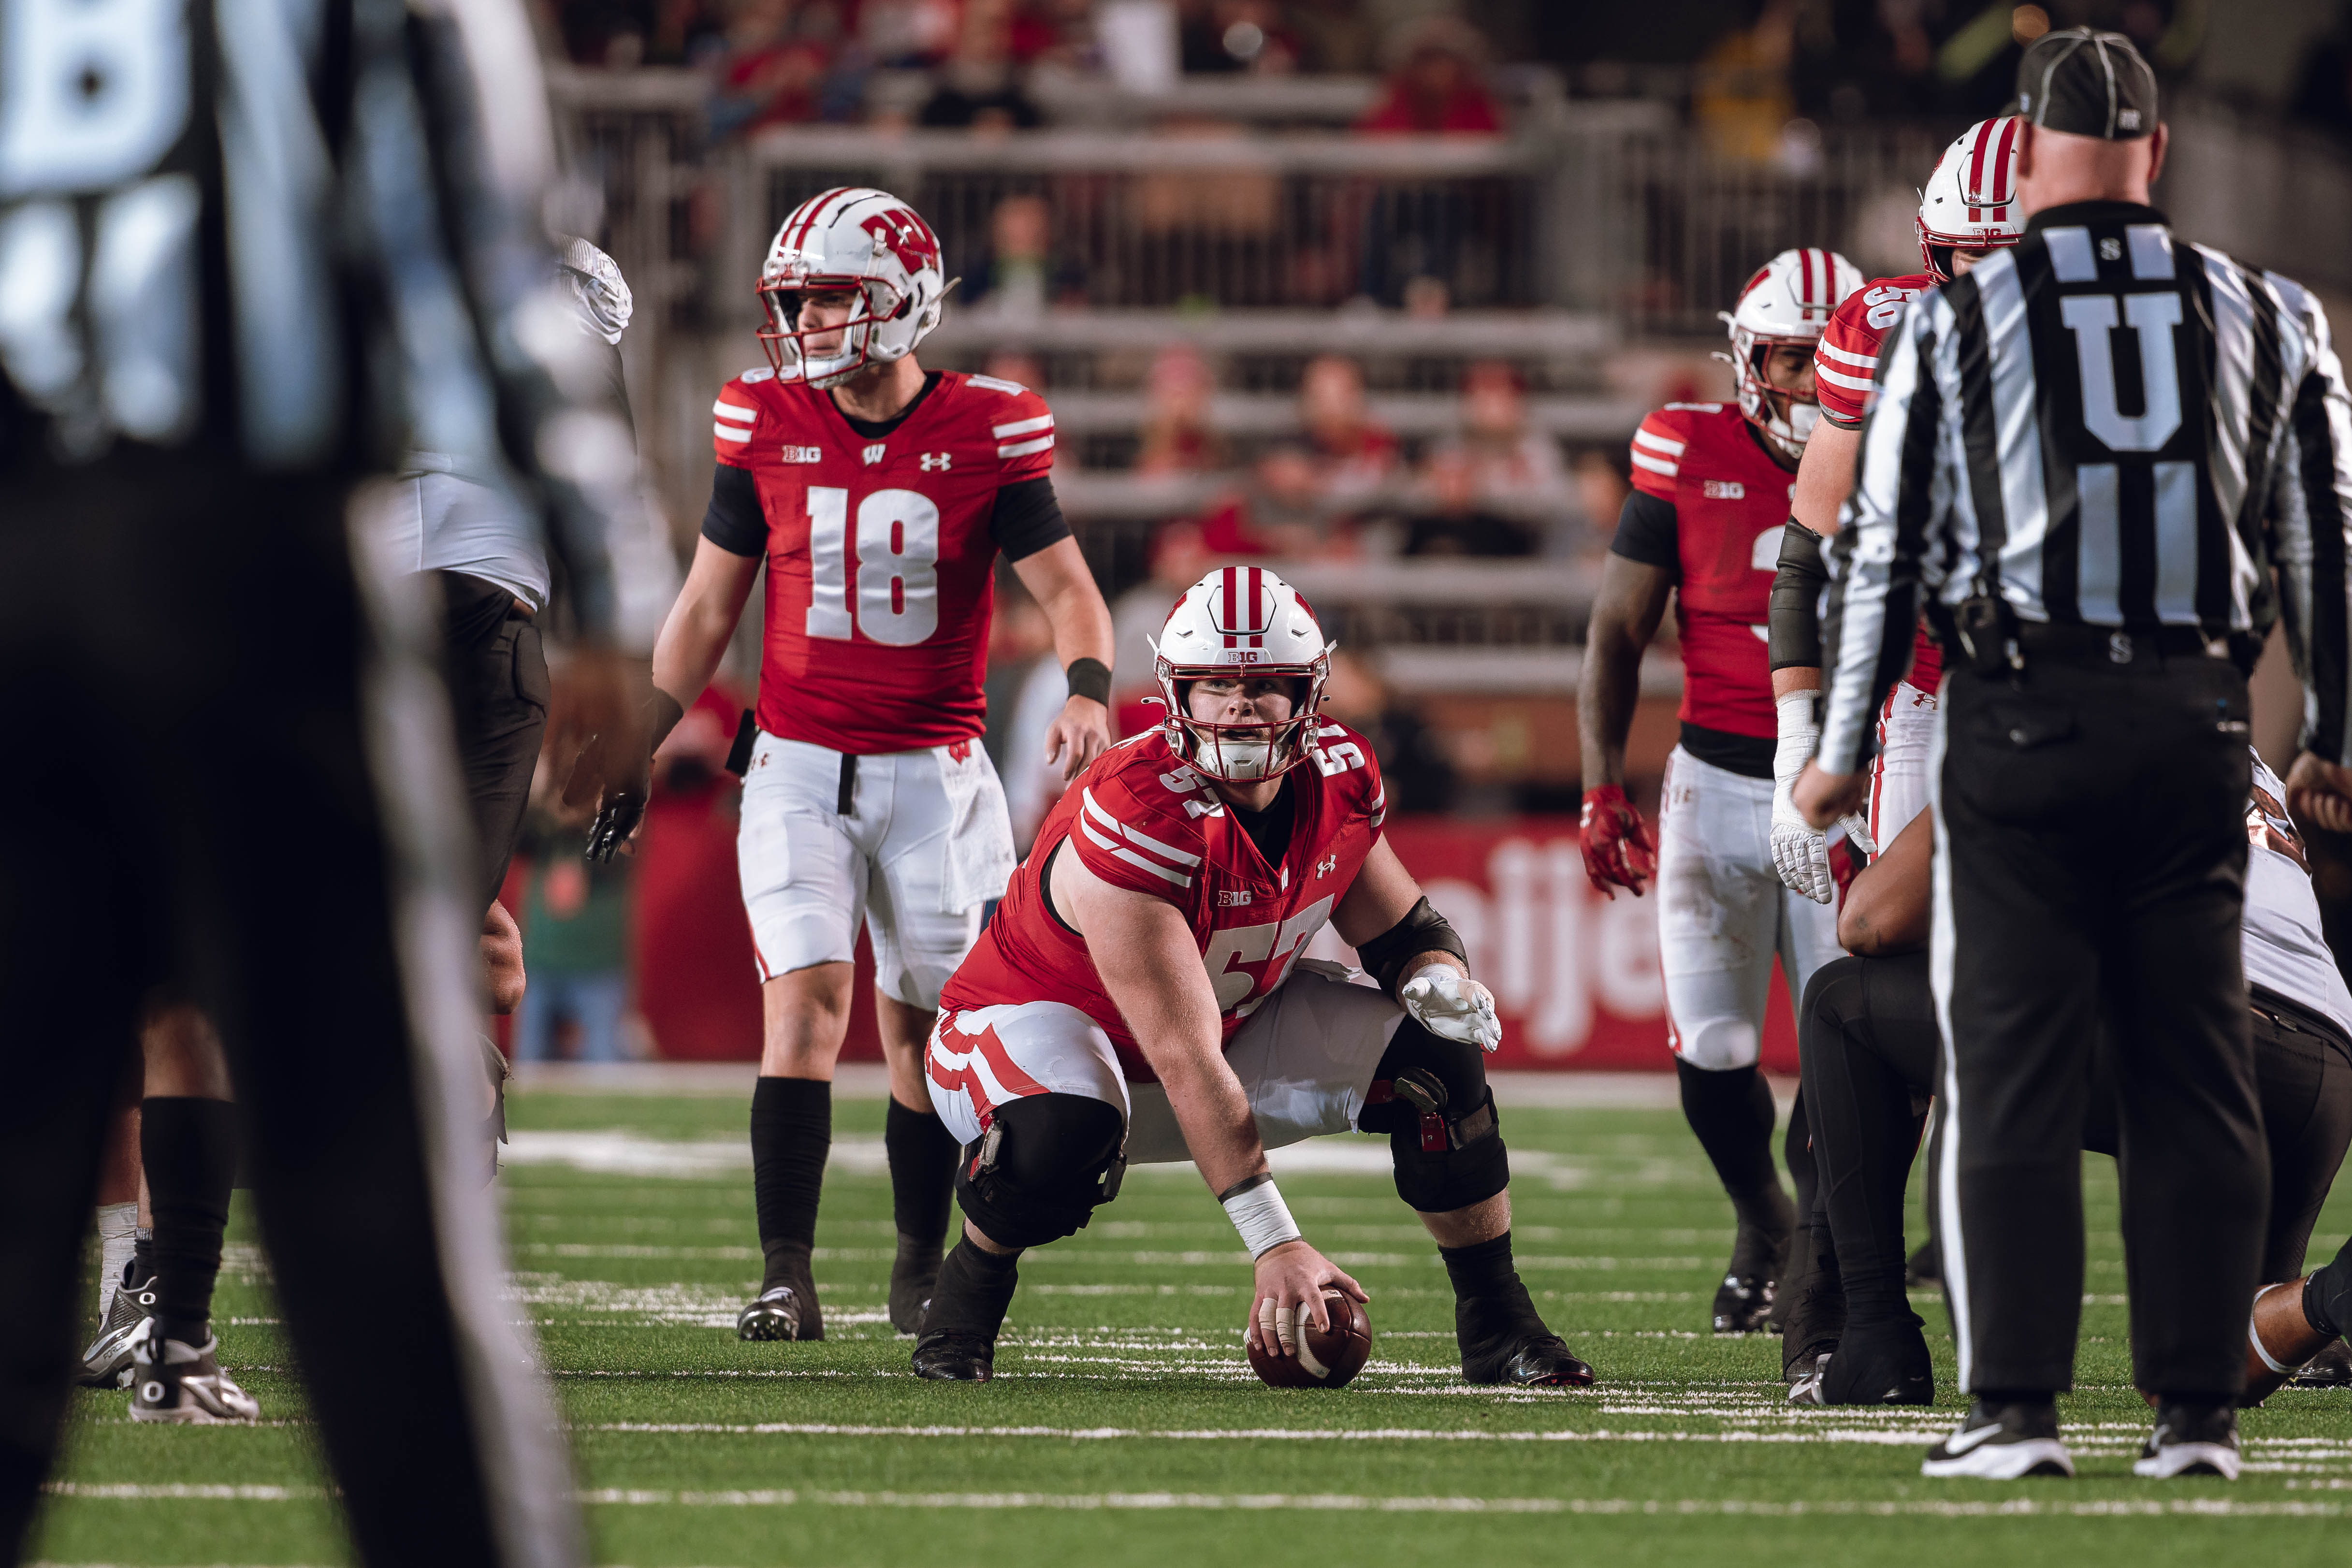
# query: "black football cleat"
{"type": "Point", "coordinates": [1535, 1360]}
{"type": "Point", "coordinates": [2191, 1440]}
{"type": "Point", "coordinates": [1743, 1302]}
{"type": "Point", "coordinates": [1804, 1375]}
{"type": "Point", "coordinates": [2001, 1443]}
{"type": "Point", "coordinates": [107, 1362]}
{"type": "Point", "coordinates": [913, 1273]}
{"type": "Point", "coordinates": [1812, 1305]}
{"type": "Point", "coordinates": [1884, 1364]}
{"type": "Point", "coordinates": [787, 1309]}
{"type": "Point", "coordinates": [947, 1356]}
{"type": "Point", "coordinates": [2331, 1368]}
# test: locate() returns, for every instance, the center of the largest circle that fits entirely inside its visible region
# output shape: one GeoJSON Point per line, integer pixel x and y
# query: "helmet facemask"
{"type": "Point", "coordinates": [1786, 416]}
{"type": "Point", "coordinates": [786, 339]}
{"type": "Point", "coordinates": [1249, 752]}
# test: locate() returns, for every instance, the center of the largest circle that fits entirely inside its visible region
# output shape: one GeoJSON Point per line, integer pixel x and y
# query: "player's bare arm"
{"type": "Point", "coordinates": [1620, 849]}
{"type": "Point", "coordinates": [1151, 966]}
{"type": "Point", "coordinates": [1886, 906]}
{"type": "Point", "coordinates": [1063, 587]}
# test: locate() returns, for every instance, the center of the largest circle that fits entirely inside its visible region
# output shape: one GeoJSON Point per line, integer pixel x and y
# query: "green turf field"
{"type": "Point", "coordinates": [1125, 1427]}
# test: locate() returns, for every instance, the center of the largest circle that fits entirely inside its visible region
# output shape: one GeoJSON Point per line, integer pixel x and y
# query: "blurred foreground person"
{"type": "Point", "coordinates": [248, 261]}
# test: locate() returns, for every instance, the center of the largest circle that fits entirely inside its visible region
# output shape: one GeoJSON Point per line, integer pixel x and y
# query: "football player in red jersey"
{"type": "Point", "coordinates": [1965, 213]}
{"type": "Point", "coordinates": [1711, 486]}
{"type": "Point", "coordinates": [879, 495]}
{"type": "Point", "coordinates": [1140, 995]}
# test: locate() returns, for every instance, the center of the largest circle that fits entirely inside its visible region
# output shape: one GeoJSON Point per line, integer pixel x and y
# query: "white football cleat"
{"type": "Point", "coordinates": [173, 1381]}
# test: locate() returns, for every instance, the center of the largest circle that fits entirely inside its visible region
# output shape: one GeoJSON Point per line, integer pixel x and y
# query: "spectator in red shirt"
{"type": "Point", "coordinates": [1356, 454]}
{"type": "Point", "coordinates": [1436, 82]}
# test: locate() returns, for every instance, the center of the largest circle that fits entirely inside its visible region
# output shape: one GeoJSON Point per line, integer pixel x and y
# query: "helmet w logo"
{"type": "Point", "coordinates": [909, 239]}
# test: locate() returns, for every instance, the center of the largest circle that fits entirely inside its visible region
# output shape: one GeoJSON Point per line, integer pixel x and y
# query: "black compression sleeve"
{"type": "Point", "coordinates": [1646, 531]}
{"type": "Point", "coordinates": [734, 522]}
{"type": "Point", "coordinates": [1027, 518]}
{"type": "Point", "coordinates": [1796, 614]}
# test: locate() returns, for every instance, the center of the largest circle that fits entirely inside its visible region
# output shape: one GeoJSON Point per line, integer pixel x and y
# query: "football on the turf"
{"type": "Point", "coordinates": [1327, 1358]}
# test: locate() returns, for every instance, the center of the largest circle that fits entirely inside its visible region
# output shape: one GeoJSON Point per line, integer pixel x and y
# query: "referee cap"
{"type": "Point", "coordinates": [2087, 84]}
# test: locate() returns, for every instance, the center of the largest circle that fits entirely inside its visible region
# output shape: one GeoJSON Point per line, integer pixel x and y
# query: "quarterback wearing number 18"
{"type": "Point", "coordinates": [878, 496]}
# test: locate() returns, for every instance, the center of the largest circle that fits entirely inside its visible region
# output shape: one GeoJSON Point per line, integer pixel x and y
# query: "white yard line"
{"type": "Point", "coordinates": [1323, 1502]}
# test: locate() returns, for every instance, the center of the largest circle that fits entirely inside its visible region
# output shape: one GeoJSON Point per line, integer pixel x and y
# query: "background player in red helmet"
{"type": "Point", "coordinates": [1139, 997]}
{"type": "Point", "coordinates": [1965, 213]}
{"type": "Point", "coordinates": [1711, 482]}
{"type": "Point", "coordinates": [879, 496]}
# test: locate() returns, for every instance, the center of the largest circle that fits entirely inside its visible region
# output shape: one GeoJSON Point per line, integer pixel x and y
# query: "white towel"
{"type": "Point", "coordinates": [980, 859]}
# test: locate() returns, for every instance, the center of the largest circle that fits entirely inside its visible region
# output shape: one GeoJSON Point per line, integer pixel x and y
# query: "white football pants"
{"type": "Point", "coordinates": [1898, 779]}
{"type": "Point", "coordinates": [1305, 1059]}
{"type": "Point", "coordinates": [1723, 915]}
{"type": "Point", "coordinates": [926, 843]}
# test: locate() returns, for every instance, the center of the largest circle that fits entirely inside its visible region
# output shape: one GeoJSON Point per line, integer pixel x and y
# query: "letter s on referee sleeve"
{"type": "Point", "coordinates": [1875, 559]}
{"type": "Point", "coordinates": [2311, 522]}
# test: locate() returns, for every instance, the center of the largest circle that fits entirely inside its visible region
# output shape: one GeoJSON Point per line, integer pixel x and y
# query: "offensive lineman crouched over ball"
{"type": "Point", "coordinates": [1138, 996]}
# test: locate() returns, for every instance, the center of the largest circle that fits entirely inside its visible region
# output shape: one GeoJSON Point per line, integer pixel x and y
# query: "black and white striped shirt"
{"type": "Point", "coordinates": [2115, 431]}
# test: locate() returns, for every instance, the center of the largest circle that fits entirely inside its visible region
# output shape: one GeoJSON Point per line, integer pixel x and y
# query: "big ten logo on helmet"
{"type": "Point", "coordinates": [1571, 971]}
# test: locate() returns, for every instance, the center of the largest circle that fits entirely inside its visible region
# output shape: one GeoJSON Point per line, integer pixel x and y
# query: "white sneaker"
{"type": "Point", "coordinates": [172, 1381]}
{"type": "Point", "coordinates": [2001, 1443]}
{"type": "Point", "coordinates": [2191, 1440]}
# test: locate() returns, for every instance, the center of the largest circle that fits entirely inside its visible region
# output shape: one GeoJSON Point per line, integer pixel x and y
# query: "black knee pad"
{"type": "Point", "coordinates": [1430, 1096]}
{"type": "Point", "coordinates": [1041, 1168]}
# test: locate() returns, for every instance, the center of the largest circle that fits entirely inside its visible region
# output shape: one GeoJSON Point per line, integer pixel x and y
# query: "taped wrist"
{"type": "Point", "coordinates": [1042, 1167]}
{"type": "Point", "coordinates": [1089, 678]}
{"type": "Point", "coordinates": [1796, 612]}
{"type": "Point", "coordinates": [1255, 1205]}
{"type": "Point", "coordinates": [1423, 930]}
{"type": "Point", "coordinates": [1430, 1096]}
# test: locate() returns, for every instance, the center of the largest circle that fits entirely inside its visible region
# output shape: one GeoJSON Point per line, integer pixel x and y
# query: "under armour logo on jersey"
{"type": "Point", "coordinates": [874, 453]}
{"type": "Point", "coordinates": [936, 461]}
{"type": "Point", "coordinates": [1326, 865]}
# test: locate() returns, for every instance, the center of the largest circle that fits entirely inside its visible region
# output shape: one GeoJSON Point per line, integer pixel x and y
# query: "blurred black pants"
{"type": "Point", "coordinates": [2090, 870]}
{"type": "Point", "coordinates": [217, 779]}
{"type": "Point", "coordinates": [496, 667]}
{"type": "Point", "coordinates": [1868, 1041]}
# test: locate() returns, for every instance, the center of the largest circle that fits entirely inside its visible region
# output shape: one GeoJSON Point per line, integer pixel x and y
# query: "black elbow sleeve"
{"type": "Point", "coordinates": [1796, 612]}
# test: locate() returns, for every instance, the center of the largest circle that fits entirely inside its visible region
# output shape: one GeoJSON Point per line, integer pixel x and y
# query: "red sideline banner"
{"type": "Point", "coordinates": [1575, 975]}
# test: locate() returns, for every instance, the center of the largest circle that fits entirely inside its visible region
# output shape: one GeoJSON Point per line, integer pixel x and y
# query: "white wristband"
{"type": "Point", "coordinates": [1258, 1212]}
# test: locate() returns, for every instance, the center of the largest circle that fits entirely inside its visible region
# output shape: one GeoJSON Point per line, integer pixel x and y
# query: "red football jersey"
{"type": "Point", "coordinates": [1843, 367]}
{"type": "Point", "coordinates": [1142, 820]}
{"type": "Point", "coordinates": [881, 567]}
{"type": "Point", "coordinates": [1731, 501]}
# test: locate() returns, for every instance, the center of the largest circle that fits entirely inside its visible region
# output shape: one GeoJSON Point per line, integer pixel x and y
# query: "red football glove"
{"type": "Point", "coordinates": [1620, 851]}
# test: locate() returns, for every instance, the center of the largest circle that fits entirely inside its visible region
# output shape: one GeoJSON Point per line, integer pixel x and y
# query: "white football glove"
{"type": "Point", "coordinates": [1801, 852]}
{"type": "Point", "coordinates": [1453, 1006]}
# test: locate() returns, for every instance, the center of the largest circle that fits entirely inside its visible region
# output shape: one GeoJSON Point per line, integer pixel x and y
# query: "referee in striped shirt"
{"type": "Point", "coordinates": [2087, 458]}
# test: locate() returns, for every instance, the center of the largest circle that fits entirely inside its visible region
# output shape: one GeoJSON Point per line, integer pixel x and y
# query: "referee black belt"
{"type": "Point", "coordinates": [2109, 647]}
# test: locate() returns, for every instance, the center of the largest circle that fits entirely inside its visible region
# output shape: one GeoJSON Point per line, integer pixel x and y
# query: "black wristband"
{"type": "Point", "coordinates": [1089, 678]}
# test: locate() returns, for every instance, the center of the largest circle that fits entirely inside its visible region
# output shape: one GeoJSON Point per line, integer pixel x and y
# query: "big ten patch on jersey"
{"type": "Point", "coordinates": [1847, 357]}
{"type": "Point", "coordinates": [1731, 498]}
{"type": "Point", "coordinates": [880, 554]}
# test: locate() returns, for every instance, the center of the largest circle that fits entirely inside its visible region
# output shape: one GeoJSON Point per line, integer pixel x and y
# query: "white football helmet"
{"type": "Point", "coordinates": [857, 238]}
{"type": "Point", "coordinates": [1788, 302]}
{"type": "Point", "coordinates": [1970, 201]}
{"type": "Point", "coordinates": [1241, 621]}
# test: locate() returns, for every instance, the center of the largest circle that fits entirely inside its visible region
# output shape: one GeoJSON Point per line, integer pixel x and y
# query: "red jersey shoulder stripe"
{"type": "Point", "coordinates": [1101, 836]}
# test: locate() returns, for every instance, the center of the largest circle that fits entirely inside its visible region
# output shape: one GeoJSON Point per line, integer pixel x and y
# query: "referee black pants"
{"type": "Point", "coordinates": [496, 667]}
{"type": "Point", "coordinates": [1870, 1047]}
{"type": "Point", "coordinates": [2089, 882]}
{"type": "Point", "coordinates": [220, 779]}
